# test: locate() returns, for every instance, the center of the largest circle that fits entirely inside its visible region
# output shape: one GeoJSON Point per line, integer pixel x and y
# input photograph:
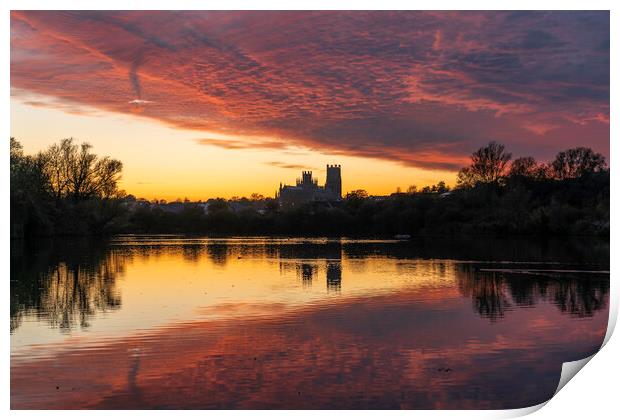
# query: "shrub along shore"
{"type": "Point", "coordinates": [68, 190]}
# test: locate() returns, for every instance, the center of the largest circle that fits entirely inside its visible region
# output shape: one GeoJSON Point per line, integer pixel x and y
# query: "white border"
{"type": "Point", "coordinates": [592, 395]}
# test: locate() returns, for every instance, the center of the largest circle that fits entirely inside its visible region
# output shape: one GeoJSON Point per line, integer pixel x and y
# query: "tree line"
{"type": "Point", "coordinates": [491, 164]}
{"type": "Point", "coordinates": [67, 189]}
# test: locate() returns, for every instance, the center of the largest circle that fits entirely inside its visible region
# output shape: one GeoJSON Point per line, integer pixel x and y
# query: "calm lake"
{"type": "Point", "coordinates": [191, 323]}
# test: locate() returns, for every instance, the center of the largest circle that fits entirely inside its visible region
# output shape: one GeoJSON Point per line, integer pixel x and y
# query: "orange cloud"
{"type": "Point", "coordinates": [392, 85]}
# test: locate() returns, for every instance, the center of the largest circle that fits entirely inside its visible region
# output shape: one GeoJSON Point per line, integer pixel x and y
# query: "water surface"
{"type": "Point", "coordinates": [180, 322]}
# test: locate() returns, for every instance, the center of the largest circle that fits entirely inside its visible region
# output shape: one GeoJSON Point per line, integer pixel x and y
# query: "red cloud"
{"type": "Point", "coordinates": [404, 86]}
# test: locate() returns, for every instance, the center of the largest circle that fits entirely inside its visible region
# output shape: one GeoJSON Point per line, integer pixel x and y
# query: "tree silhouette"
{"type": "Point", "coordinates": [489, 164]}
{"type": "Point", "coordinates": [68, 190]}
{"type": "Point", "coordinates": [73, 171]}
{"type": "Point", "coordinates": [577, 162]}
{"type": "Point", "coordinates": [527, 167]}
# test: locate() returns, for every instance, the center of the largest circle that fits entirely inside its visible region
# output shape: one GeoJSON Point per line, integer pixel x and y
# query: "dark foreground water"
{"type": "Point", "coordinates": [175, 322]}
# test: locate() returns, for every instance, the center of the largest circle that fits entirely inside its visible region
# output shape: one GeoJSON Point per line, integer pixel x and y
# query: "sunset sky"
{"type": "Point", "coordinates": [206, 104]}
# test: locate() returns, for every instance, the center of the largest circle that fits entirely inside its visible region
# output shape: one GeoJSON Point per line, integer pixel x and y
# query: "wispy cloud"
{"type": "Point", "coordinates": [421, 88]}
{"type": "Point", "coordinates": [285, 165]}
{"type": "Point", "coordinates": [245, 143]}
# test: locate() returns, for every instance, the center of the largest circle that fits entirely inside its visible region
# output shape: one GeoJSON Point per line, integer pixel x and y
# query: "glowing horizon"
{"type": "Point", "coordinates": [171, 181]}
{"type": "Point", "coordinates": [222, 104]}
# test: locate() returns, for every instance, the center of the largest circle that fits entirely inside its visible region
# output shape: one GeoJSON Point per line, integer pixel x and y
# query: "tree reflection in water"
{"type": "Point", "coordinates": [342, 324]}
{"type": "Point", "coordinates": [65, 285]}
{"type": "Point", "coordinates": [495, 293]}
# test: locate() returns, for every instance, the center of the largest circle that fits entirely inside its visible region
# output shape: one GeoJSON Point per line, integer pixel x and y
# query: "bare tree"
{"type": "Point", "coordinates": [56, 160]}
{"type": "Point", "coordinates": [107, 174]}
{"type": "Point", "coordinates": [489, 164]}
{"type": "Point", "coordinates": [574, 163]}
{"type": "Point", "coordinates": [527, 167]}
{"type": "Point", "coordinates": [73, 171]}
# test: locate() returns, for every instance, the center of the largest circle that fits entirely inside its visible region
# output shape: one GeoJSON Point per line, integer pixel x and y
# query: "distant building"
{"type": "Point", "coordinates": [334, 181]}
{"type": "Point", "coordinates": [307, 189]}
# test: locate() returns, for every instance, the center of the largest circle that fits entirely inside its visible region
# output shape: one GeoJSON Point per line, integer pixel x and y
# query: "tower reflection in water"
{"type": "Point", "coordinates": [307, 272]}
{"type": "Point", "coordinates": [334, 276]}
{"type": "Point", "coordinates": [311, 261]}
{"type": "Point", "coordinates": [69, 283]}
{"type": "Point", "coordinates": [415, 327]}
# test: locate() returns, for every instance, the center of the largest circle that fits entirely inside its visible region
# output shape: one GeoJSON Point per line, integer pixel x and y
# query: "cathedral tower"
{"type": "Point", "coordinates": [334, 181]}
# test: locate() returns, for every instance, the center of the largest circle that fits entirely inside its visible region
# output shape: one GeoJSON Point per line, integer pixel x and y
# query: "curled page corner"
{"type": "Point", "coordinates": [613, 317]}
{"type": "Point", "coordinates": [520, 412]}
{"type": "Point", "coordinates": [570, 369]}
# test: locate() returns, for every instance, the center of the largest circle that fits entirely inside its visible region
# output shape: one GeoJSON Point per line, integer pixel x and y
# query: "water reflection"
{"type": "Point", "coordinates": [396, 351]}
{"type": "Point", "coordinates": [178, 322]}
{"type": "Point", "coordinates": [334, 276]}
{"type": "Point", "coordinates": [307, 272]}
{"type": "Point", "coordinates": [218, 252]}
{"type": "Point", "coordinates": [494, 293]}
{"type": "Point", "coordinates": [66, 283]}
{"type": "Point", "coordinates": [488, 294]}
{"type": "Point", "coordinates": [64, 286]}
